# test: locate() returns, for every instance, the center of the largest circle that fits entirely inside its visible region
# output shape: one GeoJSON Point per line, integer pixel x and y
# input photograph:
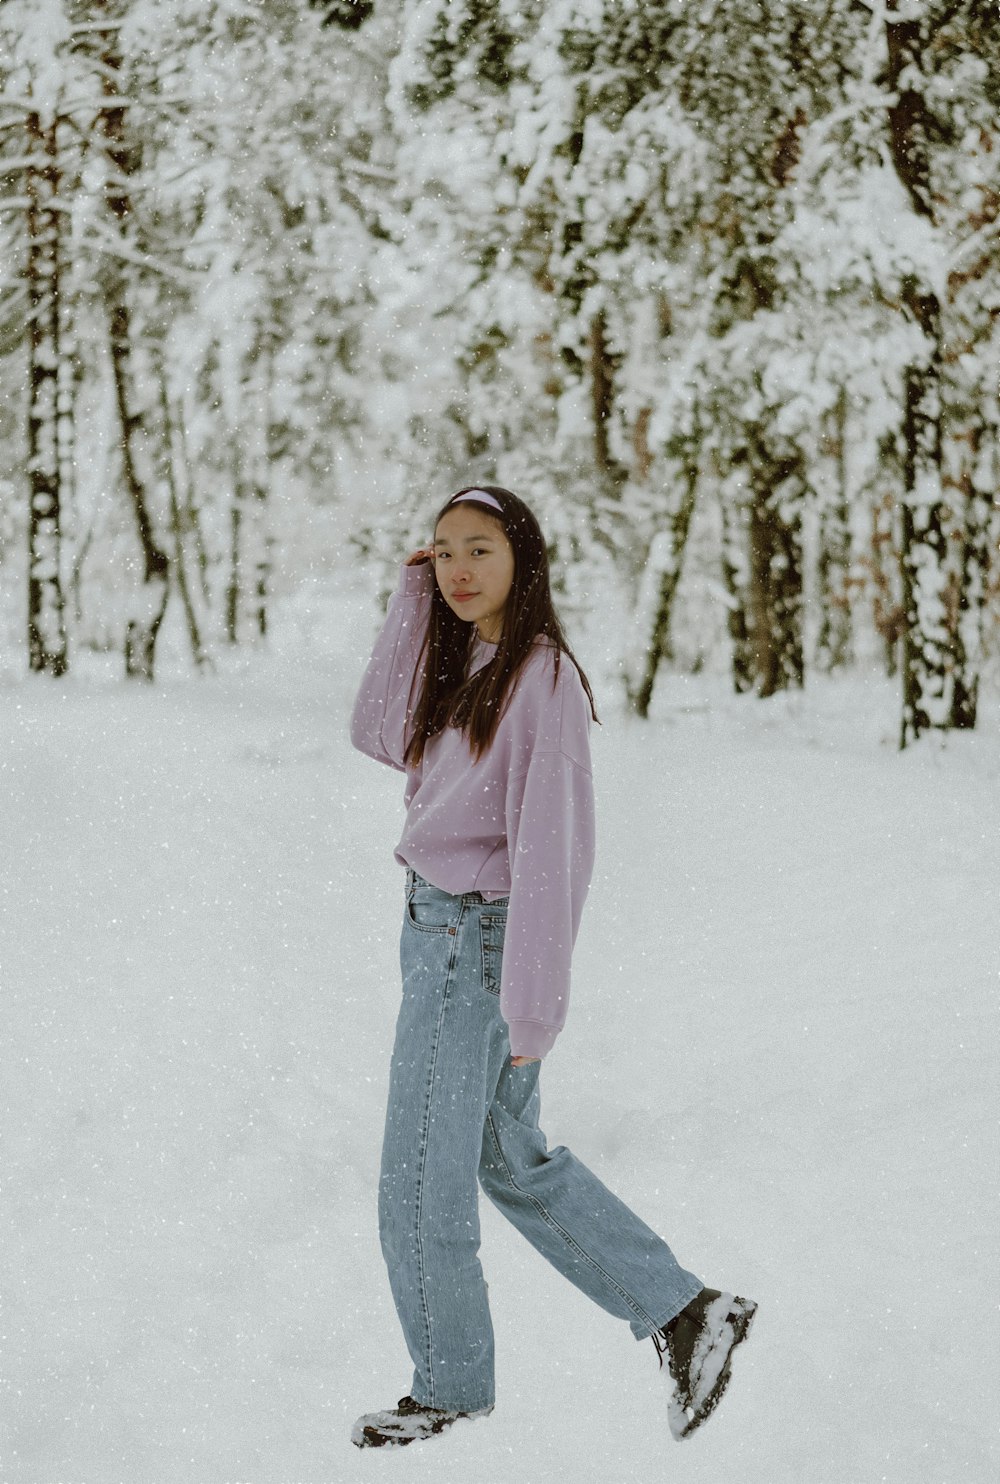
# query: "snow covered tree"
{"type": "Point", "coordinates": [644, 263]}
{"type": "Point", "coordinates": [924, 538]}
{"type": "Point", "coordinates": [938, 67]}
{"type": "Point", "coordinates": [280, 335]}
{"type": "Point", "coordinates": [67, 54]}
{"type": "Point", "coordinates": [222, 229]}
{"type": "Point", "coordinates": [964, 96]}
{"type": "Point", "coordinates": [550, 193]}
{"type": "Point", "coordinates": [761, 82]}
{"type": "Point", "coordinates": [640, 163]}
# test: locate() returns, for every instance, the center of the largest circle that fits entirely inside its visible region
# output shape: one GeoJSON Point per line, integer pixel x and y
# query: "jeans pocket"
{"type": "Point", "coordinates": [491, 931]}
{"type": "Point", "coordinates": [429, 910]}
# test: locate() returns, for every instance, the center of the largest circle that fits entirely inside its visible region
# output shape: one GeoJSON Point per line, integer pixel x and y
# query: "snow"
{"type": "Point", "coordinates": [778, 1052]}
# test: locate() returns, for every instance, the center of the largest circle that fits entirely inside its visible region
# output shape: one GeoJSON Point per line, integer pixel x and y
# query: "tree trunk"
{"type": "Point", "coordinates": [190, 517]}
{"type": "Point", "coordinates": [778, 486]}
{"type": "Point", "coordinates": [834, 642]}
{"type": "Point", "coordinates": [669, 567]}
{"type": "Point", "coordinates": [138, 466]}
{"type": "Point", "coordinates": [144, 452]}
{"type": "Point", "coordinates": [612, 474]}
{"type": "Point", "coordinates": [970, 483]}
{"type": "Point", "coordinates": [927, 661]}
{"type": "Point", "coordinates": [259, 403]}
{"type": "Point", "coordinates": [177, 529]}
{"type": "Point", "coordinates": [735, 573]}
{"type": "Point", "coordinates": [235, 583]}
{"type": "Point", "coordinates": [884, 563]}
{"type": "Point", "coordinates": [47, 648]}
{"type": "Point", "coordinates": [250, 545]}
{"type": "Point", "coordinates": [262, 587]}
{"type": "Point", "coordinates": [602, 397]}
{"type": "Point", "coordinates": [926, 642]}
{"type": "Point", "coordinates": [248, 588]}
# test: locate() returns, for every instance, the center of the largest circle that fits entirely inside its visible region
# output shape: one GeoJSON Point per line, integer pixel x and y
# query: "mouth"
{"type": "Point", "coordinates": [463, 597]}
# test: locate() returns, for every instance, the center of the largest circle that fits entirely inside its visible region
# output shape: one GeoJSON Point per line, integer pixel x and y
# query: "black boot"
{"type": "Point", "coordinates": [407, 1422]}
{"type": "Point", "coordinates": [699, 1345]}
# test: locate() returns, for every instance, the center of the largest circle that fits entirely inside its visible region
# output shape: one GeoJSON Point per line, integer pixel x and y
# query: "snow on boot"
{"type": "Point", "coordinates": [699, 1345]}
{"type": "Point", "coordinates": [407, 1422]}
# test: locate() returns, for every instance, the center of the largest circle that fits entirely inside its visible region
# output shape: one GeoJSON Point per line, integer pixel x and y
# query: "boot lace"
{"type": "Point", "coordinates": [659, 1338]}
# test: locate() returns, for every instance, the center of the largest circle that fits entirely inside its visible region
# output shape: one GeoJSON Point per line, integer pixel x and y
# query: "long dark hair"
{"type": "Point", "coordinates": [476, 704]}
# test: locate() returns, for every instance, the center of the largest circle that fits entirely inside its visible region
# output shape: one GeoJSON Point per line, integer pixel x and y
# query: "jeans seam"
{"type": "Point", "coordinates": [627, 1298]}
{"type": "Point", "coordinates": [484, 954]}
{"type": "Point", "coordinates": [423, 1162]}
{"type": "Point", "coordinates": [418, 926]}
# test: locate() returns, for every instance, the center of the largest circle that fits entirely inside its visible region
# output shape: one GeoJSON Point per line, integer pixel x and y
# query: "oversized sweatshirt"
{"type": "Point", "coordinates": [518, 823]}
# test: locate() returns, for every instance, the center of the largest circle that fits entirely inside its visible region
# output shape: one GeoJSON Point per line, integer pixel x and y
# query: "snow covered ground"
{"type": "Point", "coordinates": [781, 1051]}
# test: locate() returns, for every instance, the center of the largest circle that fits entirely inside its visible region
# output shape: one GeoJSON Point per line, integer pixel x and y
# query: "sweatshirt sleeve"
{"type": "Point", "coordinates": [387, 697]}
{"type": "Point", "coordinates": [550, 833]}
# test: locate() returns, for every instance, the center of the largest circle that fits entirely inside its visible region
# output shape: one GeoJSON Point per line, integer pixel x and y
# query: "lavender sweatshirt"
{"type": "Point", "coordinates": [518, 823]}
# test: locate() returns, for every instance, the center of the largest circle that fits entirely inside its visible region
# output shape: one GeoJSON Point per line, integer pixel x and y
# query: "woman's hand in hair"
{"type": "Point", "coordinates": [423, 554]}
{"type": "Point", "coordinates": [522, 1061]}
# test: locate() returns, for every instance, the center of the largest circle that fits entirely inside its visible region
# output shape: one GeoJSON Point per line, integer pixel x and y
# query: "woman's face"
{"type": "Point", "coordinates": [474, 566]}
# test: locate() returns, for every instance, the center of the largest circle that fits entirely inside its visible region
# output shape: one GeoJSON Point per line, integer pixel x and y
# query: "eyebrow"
{"type": "Point", "coordinates": [467, 539]}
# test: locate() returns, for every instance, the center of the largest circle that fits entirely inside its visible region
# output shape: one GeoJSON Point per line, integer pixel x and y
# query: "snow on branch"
{"type": "Point", "coordinates": [187, 277]}
{"type": "Point", "coordinates": [114, 100]}
{"type": "Point", "coordinates": [981, 241]}
{"type": "Point", "coordinates": [21, 162]}
{"type": "Point", "coordinates": [814, 156]}
{"type": "Point", "coordinates": [84, 26]}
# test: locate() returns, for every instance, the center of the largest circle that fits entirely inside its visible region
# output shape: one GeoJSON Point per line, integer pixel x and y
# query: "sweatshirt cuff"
{"type": "Point", "coordinates": [415, 582]}
{"type": "Point", "coordinates": [531, 1038]}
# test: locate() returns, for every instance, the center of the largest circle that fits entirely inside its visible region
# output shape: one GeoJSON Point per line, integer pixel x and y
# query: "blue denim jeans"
{"type": "Point", "coordinates": [458, 1111]}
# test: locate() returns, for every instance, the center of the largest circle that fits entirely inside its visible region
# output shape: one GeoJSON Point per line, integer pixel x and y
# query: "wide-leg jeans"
{"type": "Point", "coordinates": [457, 1112]}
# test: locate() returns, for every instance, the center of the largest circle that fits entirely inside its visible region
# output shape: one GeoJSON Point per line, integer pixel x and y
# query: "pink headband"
{"type": "Point", "coordinates": [481, 495]}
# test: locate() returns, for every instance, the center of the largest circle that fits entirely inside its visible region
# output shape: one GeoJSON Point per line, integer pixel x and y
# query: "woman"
{"type": "Point", "coordinates": [474, 694]}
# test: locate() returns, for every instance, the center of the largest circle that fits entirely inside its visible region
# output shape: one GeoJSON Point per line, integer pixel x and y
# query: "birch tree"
{"type": "Point", "coordinates": [50, 399]}
{"type": "Point", "coordinates": [35, 158]}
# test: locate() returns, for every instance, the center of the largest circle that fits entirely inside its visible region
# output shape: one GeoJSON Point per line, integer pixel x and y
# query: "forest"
{"type": "Point", "coordinates": [715, 286]}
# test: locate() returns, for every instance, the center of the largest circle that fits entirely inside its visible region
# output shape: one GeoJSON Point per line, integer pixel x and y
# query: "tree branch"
{"type": "Point", "coordinates": [187, 277]}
